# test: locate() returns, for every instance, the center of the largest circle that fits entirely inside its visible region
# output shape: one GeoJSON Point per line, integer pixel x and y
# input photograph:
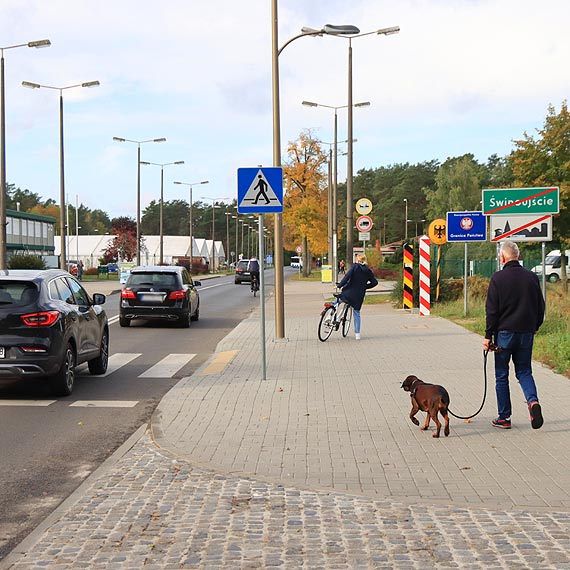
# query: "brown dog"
{"type": "Point", "coordinates": [429, 398]}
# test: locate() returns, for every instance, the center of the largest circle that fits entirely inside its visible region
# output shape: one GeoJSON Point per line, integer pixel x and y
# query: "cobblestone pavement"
{"type": "Point", "coordinates": [153, 511]}
{"type": "Point", "coordinates": [319, 467]}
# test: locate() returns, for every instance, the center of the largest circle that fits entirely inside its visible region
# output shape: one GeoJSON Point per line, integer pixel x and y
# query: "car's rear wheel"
{"type": "Point", "coordinates": [99, 365]}
{"type": "Point", "coordinates": [62, 381]}
{"type": "Point", "coordinates": [184, 320]}
{"type": "Point", "coordinates": [123, 322]}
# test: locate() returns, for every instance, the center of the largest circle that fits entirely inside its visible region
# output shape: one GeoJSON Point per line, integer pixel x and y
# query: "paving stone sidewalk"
{"type": "Point", "coordinates": [319, 467]}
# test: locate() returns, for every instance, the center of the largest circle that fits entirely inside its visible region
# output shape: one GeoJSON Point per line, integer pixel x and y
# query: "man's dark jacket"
{"type": "Point", "coordinates": [514, 301]}
{"type": "Point", "coordinates": [354, 284]}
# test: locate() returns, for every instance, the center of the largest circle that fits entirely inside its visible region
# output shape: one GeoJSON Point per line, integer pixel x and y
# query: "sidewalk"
{"type": "Point", "coordinates": [320, 467]}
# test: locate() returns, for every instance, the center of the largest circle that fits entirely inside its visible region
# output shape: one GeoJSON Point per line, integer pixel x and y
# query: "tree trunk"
{"type": "Point", "coordinates": [306, 257]}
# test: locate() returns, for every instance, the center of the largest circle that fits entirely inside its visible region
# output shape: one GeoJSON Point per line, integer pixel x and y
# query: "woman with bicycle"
{"type": "Point", "coordinates": [354, 285]}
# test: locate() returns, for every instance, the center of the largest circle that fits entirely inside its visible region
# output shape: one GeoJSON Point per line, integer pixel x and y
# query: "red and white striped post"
{"type": "Point", "coordinates": [425, 295]}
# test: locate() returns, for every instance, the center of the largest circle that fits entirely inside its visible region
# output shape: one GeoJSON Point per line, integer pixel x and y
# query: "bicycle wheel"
{"type": "Point", "coordinates": [327, 323]}
{"type": "Point", "coordinates": [346, 319]}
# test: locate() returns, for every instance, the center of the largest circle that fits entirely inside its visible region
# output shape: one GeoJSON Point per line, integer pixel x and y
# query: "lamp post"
{"type": "Point", "coordinates": [3, 184]}
{"type": "Point", "coordinates": [406, 218]}
{"type": "Point", "coordinates": [349, 167]}
{"type": "Point", "coordinates": [63, 227]}
{"type": "Point", "coordinates": [190, 184]}
{"type": "Point", "coordinates": [138, 143]}
{"type": "Point", "coordinates": [278, 231]}
{"type": "Point", "coordinates": [213, 268]}
{"type": "Point", "coordinates": [228, 214]}
{"type": "Point", "coordinates": [161, 205]}
{"type": "Point", "coordinates": [333, 198]}
{"type": "Point", "coordinates": [236, 218]}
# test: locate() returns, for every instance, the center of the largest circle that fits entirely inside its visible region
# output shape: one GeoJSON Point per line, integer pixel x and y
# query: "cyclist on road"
{"type": "Point", "coordinates": [253, 268]}
{"type": "Point", "coordinates": [354, 285]}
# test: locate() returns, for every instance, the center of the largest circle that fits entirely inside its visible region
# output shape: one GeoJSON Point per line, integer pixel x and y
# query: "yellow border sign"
{"type": "Point", "coordinates": [437, 231]}
{"type": "Point", "coordinates": [363, 206]}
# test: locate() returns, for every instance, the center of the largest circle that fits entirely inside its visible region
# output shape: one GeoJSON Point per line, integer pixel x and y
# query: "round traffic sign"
{"type": "Point", "coordinates": [364, 223]}
{"type": "Point", "coordinates": [437, 231]}
{"type": "Point", "coordinates": [299, 249]}
{"type": "Point", "coordinates": [363, 206]}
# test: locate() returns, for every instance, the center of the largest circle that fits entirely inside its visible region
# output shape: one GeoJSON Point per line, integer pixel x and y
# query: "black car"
{"type": "Point", "coordinates": [242, 272]}
{"type": "Point", "coordinates": [163, 293]}
{"type": "Point", "coordinates": [49, 325]}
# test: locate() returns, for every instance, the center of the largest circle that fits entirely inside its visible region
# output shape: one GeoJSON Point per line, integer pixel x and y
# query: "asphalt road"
{"type": "Point", "coordinates": [48, 446]}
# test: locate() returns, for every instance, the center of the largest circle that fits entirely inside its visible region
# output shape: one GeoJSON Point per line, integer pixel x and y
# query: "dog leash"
{"type": "Point", "coordinates": [492, 348]}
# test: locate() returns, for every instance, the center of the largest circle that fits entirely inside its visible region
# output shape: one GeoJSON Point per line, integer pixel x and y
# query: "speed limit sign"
{"type": "Point", "coordinates": [299, 249]}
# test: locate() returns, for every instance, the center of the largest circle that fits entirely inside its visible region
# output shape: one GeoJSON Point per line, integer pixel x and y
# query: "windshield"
{"type": "Point", "coordinates": [551, 259]}
{"type": "Point", "coordinates": [17, 293]}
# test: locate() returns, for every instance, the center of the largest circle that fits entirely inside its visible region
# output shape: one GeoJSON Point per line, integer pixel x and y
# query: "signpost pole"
{"type": "Point", "coordinates": [262, 297]}
{"type": "Point", "coordinates": [544, 272]}
{"type": "Point", "coordinates": [465, 283]}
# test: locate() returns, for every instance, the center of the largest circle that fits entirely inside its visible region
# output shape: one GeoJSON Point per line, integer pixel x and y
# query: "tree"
{"type": "Point", "coordinates": [124, 244]}
{"type": "Point", "coordinates": [545, 161]}
{"type": "Point", "coordinates": [305, 201]}
{"type": "Point", "coordinates": [458, 187]}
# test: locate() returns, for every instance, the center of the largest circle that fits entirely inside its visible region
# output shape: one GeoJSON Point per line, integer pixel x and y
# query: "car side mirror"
{"type": "Point", "coordinates": [197, 284]}
{"type": "Point", "coordinates": [99, 298]}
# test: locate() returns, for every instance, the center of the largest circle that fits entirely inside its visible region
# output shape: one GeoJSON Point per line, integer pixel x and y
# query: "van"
{"type": "Point", "coordinates": [553, 265]}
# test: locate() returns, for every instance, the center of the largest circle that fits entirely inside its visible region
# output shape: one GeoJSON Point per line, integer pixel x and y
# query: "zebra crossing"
{"type": "Point", "coordinates": [167, 367]}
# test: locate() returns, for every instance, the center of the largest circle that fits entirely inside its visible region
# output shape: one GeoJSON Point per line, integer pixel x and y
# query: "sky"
{"type": "Point", "coordinates": [461, 76]}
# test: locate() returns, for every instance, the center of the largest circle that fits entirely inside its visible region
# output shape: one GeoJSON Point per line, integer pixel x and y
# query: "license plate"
{"type": "Point", "coordinates": [2, 352]}
{"type": "Point", "coordinates": [155, 298]}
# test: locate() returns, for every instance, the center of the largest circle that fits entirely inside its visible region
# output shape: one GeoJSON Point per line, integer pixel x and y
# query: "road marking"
{"type": "Point", "coordinates": [114, 319]}
{"type": "Point", "coordinates": [36, 403]}
{"type": "Point", "coordinates": [104, 404]}
{"type": "Point", "coordinates": [168, 366]}
{"type": "Point", "coordinates": [220, 361]}
{"type": "Point", "coordinates": [119, 360]}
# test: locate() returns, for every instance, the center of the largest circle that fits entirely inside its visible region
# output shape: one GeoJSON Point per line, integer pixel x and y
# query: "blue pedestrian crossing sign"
{"type": "Point", "coordinates": [260, 190]}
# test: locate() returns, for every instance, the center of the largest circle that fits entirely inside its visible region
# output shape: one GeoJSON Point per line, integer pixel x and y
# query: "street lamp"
{"type": "Point", "coordinates": [3, 189]}
{"type": "Point", "coordinates": [278, 231]}
{"type": "Point", "coordinates": [406, 231]}
{"type": "Point", "coordinates": [213, 268]}
{"type": "Point", "coordinates": [63, 228]}
{"type": "Point", "coordinates": [161, 225]}
{"type": "Point", "coordinates": [190, 184]}
{"type": "Point", "coordinates": [333, 198]}
{"type": "Point", "coordinates": [138, 143]}
{"type": "Point", "coordinates": [349, 174]}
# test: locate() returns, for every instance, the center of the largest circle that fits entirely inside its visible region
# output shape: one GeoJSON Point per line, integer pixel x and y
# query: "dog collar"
{"type": "Point", "coordinates": [414, 390]}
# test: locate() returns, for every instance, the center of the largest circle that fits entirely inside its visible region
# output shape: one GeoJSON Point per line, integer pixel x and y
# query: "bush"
{"type": "Point", "coordinates": [26, 262]}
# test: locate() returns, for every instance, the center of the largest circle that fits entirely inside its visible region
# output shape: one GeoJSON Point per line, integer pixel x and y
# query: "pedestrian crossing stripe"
{"type": "Point", "coordinates": [119, 360]}
{"type": "Point", "coordinates": [168, 366]}
{"type": "Point", "coordinates": [260, 190]}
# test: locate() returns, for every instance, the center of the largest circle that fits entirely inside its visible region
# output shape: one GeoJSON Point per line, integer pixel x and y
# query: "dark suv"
{"type": "Point", "coordinates": [242, 273]}
{"type": "Point", "coordinates": [49, 325]}
{"type": "Point", "coordinates": [164, 292]}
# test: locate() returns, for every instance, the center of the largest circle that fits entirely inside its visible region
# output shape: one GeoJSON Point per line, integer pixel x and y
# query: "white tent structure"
{"type": "Point", "coordinates": [90, 248]}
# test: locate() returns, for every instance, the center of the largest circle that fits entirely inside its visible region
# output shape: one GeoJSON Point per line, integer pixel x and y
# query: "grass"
{"type": "Point", "coordinates": [551, 344]}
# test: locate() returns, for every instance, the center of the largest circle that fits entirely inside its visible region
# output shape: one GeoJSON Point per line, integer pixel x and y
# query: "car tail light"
{"type": "Point", "coordinates": [42, 319]}
{"type": "Point", "coordinates": [177, 295]}
{"type": "Point", "coordinates": [239, 270]}
{"type": "Point", "coordinates": [33, 349]}
{"type": "Point", "coordinates": [128, 294]}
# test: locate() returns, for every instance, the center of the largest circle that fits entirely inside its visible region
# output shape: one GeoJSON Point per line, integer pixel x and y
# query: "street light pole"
{"type": "Point", "coordinates": [190, 184]}
{"type": "Point", "coordinates": [62, 223]}
{"type": "Point", "coordinates": [138, 143]}
{"type": "Point", "coordinates": [278, 230]}
{"type": "Point", "coordinates": [3, 183]}
{"type": "Point", "coordinates": [213, 268]}
{"type": "Point", "coordinates": [406, 230]}
{"type": "Point", "coordinates": [161, 205]}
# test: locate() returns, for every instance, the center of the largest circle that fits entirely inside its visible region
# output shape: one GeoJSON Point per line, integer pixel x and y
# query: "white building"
{"type": "Point", "coordinates": [90, 248]}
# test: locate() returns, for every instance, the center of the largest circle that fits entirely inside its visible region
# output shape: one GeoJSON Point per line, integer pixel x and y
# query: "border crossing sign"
{"type": "Point", "coordinates": [466, 226]}
{"type": "Point", "coordinates": [260, 190]}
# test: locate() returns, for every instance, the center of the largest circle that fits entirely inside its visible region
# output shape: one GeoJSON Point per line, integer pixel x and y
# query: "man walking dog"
{"type": "Point", "coordinates": [514, 313]}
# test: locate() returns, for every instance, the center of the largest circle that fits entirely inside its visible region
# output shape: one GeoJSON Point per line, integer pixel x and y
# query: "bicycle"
{"type": "Point", "coordinates": [254, 286]}
{"type": "Point", "coordinates": [334, 316]}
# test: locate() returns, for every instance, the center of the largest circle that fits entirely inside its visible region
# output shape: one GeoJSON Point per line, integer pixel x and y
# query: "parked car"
{"type": "Point", "coordinates": [553, 265]}
{"type": "Point", "coordinates": [162, 293]}
{"type": "Point", "coordinates": [49, 325]}
{"type": "Point", "coordinates": [113, 267]}
{"type": "Point", "coordinates": [242, 273]}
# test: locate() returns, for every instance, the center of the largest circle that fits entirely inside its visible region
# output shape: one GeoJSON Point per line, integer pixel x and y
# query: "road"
{"type": "Point", "coordinates": [49, 446]}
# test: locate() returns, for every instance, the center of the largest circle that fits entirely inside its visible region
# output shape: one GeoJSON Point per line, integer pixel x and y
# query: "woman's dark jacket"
{"type": "Point", "coordinates": [354, 284]}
